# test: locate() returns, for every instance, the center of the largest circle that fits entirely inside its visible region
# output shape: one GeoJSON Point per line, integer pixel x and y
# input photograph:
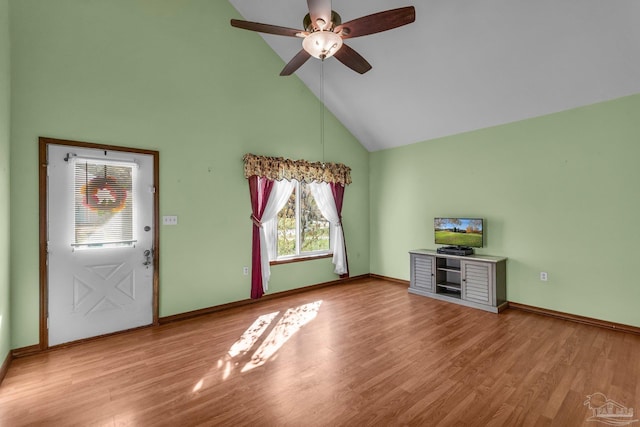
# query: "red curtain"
{"type": "Point", "coordinates": [259, 189]}
{"type": "Point", "coordinates": [338, 196]}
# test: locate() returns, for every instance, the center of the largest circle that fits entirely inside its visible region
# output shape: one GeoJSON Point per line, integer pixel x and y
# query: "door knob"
{"type": "Point", "coordinates": [147, 255]}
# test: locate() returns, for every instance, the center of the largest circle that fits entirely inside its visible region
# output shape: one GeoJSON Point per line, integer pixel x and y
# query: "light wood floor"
{"type": "Point", "coordinates": [365, 353]}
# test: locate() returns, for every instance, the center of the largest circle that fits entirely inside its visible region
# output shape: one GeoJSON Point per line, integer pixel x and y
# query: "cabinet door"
{"type": "Point", "coordinates": [422, 272]}
{"type": "Point", "coordinates": [477, 282]}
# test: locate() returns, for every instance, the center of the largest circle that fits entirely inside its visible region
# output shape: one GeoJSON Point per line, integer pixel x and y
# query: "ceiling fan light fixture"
{"type": "Point", "coordinates": [322, 44]}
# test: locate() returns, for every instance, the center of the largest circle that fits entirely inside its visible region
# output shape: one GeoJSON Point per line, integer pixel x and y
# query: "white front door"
{"type": "Point", "coordinates": [100, 212]}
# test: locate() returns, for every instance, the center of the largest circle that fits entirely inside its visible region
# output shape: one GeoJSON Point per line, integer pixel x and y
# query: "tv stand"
{"type": "Point", "coordinates": [477, 281]}
{"type": "Point", "coordinates": [456, 250]}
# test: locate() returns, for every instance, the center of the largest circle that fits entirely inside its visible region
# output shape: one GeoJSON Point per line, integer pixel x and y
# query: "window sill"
{"type": "Point", "coordinates": [300, 259]}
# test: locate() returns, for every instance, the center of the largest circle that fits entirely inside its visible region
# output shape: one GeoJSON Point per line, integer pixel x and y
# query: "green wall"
{"type": "Point", "coordinates": [165, 75]}
{"type": "Point", "coordinates": [5, 337]}
{"type": "Point", "coordinates": [559, 194]}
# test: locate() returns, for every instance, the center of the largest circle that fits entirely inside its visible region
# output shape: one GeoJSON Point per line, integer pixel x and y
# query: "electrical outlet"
{"type": "Point", "coordinates": [170, 220]}
{"type": "Point", "coordinates": [245, 271]}
{"type": "Point", "coordinates": [544, 276]}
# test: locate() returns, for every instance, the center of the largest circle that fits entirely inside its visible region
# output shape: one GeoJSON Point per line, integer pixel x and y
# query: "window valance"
{"type": "Point", "coordinates": [279, 168]}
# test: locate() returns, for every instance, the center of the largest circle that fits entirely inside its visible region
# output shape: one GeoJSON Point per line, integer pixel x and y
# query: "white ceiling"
{"type": "Point", "coordinates": [466, 65]}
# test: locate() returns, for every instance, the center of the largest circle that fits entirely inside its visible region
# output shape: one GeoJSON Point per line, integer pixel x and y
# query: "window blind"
{"type": "Point", "coordinates": [103, 203]}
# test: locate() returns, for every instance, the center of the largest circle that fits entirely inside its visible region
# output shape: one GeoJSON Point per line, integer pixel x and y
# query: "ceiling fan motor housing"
{"type": "Point", "coordinates": [318, 26]}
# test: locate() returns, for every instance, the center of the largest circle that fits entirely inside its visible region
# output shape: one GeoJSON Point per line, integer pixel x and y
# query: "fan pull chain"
{"type": "Point", "coordinates": [322, 107]}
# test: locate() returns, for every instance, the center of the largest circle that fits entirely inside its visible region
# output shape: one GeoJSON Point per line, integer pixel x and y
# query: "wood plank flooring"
{"type": "Point", "coordinates": [361, 354]}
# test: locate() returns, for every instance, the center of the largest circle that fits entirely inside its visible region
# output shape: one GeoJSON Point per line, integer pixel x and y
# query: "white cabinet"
{"type": "Point", "coordinates": [477, 281]}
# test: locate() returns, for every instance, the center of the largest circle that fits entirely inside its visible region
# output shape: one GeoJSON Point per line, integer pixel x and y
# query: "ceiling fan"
{"type": "Point", "coordinates": [324, 33]}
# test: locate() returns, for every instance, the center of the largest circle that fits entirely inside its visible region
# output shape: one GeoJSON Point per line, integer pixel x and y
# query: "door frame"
{"type": "Point", "coordinates": [44, 142]}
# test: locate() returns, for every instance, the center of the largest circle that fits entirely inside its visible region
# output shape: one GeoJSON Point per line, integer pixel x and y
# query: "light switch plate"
{"type": "Point", "coordinates": [170, 220]}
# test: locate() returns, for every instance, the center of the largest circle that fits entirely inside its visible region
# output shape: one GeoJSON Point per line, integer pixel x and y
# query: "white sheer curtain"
{"type": "Point", "coordinates": [324, 199]}
{"type": "Point", "coordinates": [277, 199]}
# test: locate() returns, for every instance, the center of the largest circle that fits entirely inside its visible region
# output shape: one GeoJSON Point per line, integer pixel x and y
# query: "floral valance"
{"type": "Point", "coordinates": [278, 168]}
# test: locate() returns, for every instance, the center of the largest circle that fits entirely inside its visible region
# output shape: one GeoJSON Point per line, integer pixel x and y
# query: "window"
{"type": "Point", "coordinates": [103, 204]}
{"type": "Point", "coordinates": [301, 229]}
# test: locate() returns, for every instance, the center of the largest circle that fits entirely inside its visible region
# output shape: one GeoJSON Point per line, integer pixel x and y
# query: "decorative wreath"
{"type": "Point", "coordinates": [115, 203]}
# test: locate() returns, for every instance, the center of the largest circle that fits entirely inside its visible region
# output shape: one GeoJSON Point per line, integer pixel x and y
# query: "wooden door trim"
{"type": "Point", "coordinates": [44, 277]}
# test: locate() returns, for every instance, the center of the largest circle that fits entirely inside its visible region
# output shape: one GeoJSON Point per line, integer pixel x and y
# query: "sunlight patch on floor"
{"type": "Point", "coordinates": [244, 344]}
{"type": "Point", "coordinates": [239, 357]}
{"type": "Point", "coordinates": [287, 326]}
{"type": "Point", "coordinates": [281, 327]}
{"type": "Point", "coordinates": [251, 335]}
{"type": "Point", "coordinates": [198, 386]}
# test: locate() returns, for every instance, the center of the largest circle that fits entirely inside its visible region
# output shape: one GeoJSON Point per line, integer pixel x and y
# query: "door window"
{"type": "Point", "coordinates": [103, 204]}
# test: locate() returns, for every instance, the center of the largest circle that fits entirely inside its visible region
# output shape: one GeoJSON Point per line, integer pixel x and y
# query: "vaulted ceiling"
{"type": "Point", "coordinates": [467, 65]}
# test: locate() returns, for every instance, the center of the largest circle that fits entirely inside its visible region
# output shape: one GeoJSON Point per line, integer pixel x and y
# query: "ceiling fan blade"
{"type": "Point", "coordinates": [266, 28]}
{"type": "Point", "coordinates": [297, 61]}
{"type": "Point", "coordinates": [319, 9]}
{"type": "Point", "coordinates": [377, 22]}
{"type": "Point", "coordinates": [352, 59]}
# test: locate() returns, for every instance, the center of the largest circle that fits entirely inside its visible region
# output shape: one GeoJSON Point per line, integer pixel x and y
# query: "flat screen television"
{"type": "Point", "coordinates": [462, 232]}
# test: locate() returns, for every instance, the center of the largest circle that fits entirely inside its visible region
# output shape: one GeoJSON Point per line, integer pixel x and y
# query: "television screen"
{"type": "Point", "coordinates": [458, 231]}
